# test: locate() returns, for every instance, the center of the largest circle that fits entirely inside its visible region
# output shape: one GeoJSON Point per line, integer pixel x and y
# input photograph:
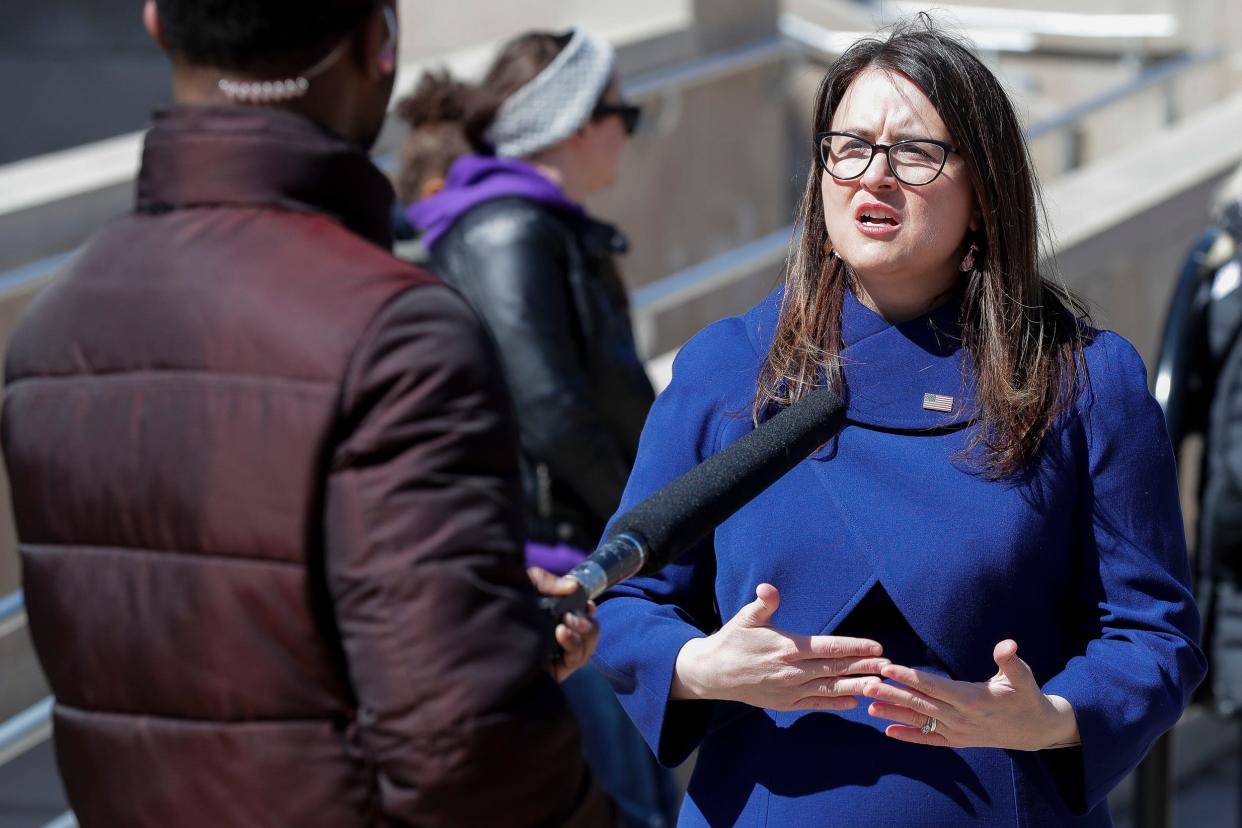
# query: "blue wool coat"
{"type": "Point", "coordinates": [887, 533]}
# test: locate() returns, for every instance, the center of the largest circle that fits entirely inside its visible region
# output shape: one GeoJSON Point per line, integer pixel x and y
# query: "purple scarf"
{"type": "Point", "coordinates": [475, 179]}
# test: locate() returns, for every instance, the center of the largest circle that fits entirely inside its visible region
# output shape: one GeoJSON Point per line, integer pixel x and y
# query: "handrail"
{"type": "Point", "coordinates": [12, 612]}
{"type": "Point", "coordinates": [768, 250]}
{"type": "Point", "coordinates": [25, 730]}
{"type": "Point", "coordinates": [35, 271]}
{"type": "Point", "coordinates": [704, 70]}
{"type": "Point", "coordinates": [11, 605]}
{"type": "Point", "coordinates": [1154, 75]}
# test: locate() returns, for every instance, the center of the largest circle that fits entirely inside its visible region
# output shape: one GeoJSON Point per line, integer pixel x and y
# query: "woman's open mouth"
{"type": "Point", "coordinates": [876, 220]}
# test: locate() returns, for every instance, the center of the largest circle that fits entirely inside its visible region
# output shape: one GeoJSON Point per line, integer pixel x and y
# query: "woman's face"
{"type": "Point", "coordinates": [605, 139]}
{"type": "Point", "coordinates": [894, 235]}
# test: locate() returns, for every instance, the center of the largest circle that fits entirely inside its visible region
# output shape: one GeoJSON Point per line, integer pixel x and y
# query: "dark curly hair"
{"type": "Point", "coordinates": [435, 112]}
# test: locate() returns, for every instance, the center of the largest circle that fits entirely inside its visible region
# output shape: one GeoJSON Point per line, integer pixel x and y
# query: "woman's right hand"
{"type": "Point", "coordinates": [750, 661]}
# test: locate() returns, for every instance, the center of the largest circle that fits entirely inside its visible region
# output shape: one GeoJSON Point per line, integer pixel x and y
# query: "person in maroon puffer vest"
{"type": "Point", "coordinates": [265, 476]}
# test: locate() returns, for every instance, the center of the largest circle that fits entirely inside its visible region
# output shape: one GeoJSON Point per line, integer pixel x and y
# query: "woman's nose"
{"type": "Point", "coordinates": [878, 175]}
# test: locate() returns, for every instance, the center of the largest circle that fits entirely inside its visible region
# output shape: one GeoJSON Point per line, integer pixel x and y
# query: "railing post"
{"type": "Point", "coordinates": [1168, 100]}
{"type": "Point", "coordinates": [1153, 807]}
{"type": "Point", "coordinates": [1072, 141]}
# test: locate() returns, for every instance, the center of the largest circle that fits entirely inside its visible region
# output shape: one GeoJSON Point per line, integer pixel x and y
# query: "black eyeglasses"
{"type": "Point", "coordinates": [846, 156]}
{"type": "Point", "coordinates": [630, 114]}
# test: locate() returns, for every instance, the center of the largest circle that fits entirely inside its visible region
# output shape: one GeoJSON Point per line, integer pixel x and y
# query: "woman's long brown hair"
{"type": "Point", "coordinates": [1021, 331]}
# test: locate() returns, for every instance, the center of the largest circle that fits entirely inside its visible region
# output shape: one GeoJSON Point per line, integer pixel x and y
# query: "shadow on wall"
{"type": "Point", "coordinates": [75, 71]}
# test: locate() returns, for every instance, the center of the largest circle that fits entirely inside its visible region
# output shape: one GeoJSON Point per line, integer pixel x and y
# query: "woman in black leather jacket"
{"type": "Point", "coordinates": [504, 224]}
{"type": "Point", "coordinates": [506, 227]}
{"type": "Point", "coordinates": [545, 283]}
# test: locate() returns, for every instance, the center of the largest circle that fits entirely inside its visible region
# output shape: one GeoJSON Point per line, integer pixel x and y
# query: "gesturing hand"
{"type": "Point", "coordinates": [750, 661]}
{"type": "Point", "coordinates": [576, 634]}
{"type": "Point", "coordinates": [1006, 711]}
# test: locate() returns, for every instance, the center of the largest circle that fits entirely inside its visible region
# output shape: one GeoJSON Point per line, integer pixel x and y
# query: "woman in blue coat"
{"type": "Point", "coordinates": [990, 555]}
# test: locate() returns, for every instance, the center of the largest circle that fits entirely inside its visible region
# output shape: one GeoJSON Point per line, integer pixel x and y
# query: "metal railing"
{"type": "Point", "coordinates": [12, 614]}
{"type": "Point", "coordinates": [25, 730]}
{"type": "Point", "coordinates": [1159, 76]}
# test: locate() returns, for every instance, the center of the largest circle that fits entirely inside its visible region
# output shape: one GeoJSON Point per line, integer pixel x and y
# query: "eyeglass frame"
{"type": "Point", "coordinates": [888, 158]}
{"type": "Point", "coordinates": [629, 113]}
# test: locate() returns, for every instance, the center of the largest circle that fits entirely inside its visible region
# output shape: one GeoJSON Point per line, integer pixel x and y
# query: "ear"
{"type": "Point", "coordinates": [387, 57]}
{"type": "Point", "coordinates": [384, 36]}
{"type": "Point", "coordinates": [375, 44]}
{"type": "Point", "coordinates": [151, 22]}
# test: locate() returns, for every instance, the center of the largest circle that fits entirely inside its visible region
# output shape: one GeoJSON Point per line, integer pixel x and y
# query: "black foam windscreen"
{"type": "Point", "coordinates": [678, 515]}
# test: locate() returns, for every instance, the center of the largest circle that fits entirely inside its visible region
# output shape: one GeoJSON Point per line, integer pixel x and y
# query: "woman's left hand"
{"type": "Point", "coordinates": [1006, 711]}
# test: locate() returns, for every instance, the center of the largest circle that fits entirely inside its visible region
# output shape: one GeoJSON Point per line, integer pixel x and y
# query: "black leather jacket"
{"type": "Point", "coordinates": [545, 283]}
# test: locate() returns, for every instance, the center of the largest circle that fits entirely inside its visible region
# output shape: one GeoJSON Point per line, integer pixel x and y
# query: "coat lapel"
{"type": "Point", "coordinates": [890, 369]}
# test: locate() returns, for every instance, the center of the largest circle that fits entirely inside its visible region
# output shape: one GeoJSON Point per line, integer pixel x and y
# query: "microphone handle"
{"type": "Point", "coordinates": [613, 561]}
{"type": "Point", "coordinates": [555, 606]}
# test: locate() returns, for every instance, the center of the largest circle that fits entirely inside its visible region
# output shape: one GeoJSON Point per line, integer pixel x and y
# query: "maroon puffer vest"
{"type": "Point", "coordinates": [174, 408]}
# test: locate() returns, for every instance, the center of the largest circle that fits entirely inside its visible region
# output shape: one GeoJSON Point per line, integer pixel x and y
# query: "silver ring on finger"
{"type": "Point", "coordinates": [929, 726]}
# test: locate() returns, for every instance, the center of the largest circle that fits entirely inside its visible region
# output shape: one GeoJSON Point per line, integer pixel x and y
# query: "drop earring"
{"type": "Point", "coordinates": [968, 262]}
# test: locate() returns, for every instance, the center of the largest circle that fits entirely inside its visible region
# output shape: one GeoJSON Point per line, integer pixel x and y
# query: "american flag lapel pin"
{"type": "Point", "coordinates": [938, 402]}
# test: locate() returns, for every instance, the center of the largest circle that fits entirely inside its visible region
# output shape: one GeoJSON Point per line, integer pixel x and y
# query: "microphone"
{"type": "Point", "coordinates": [658, 530]}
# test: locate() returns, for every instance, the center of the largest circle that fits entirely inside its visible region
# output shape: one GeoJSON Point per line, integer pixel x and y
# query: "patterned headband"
{"type": "Point", "coordinates": [555, 103]}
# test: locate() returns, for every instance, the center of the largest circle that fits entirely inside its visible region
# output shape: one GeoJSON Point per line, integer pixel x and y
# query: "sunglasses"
{"type": "Point", "coordinates": [630, 114]}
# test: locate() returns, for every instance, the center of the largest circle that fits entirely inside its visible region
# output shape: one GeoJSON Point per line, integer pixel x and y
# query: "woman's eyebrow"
{"type": "Point", "coordinates": [916, 136]}
{"type": "Point", "coordinates": [904, 135]}
{"type": "Point", "coordinates": [861, 132]}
